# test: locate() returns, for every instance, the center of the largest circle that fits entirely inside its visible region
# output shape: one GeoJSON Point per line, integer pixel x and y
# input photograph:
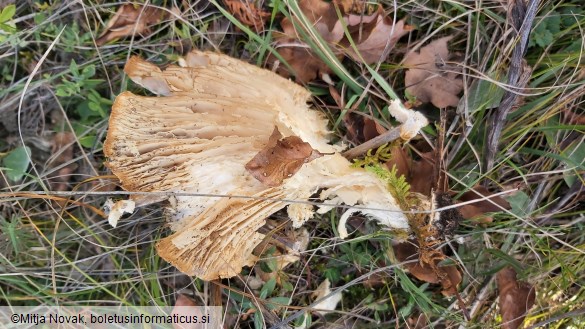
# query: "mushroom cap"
{"type": "Point", "coordinates": [212, 117]}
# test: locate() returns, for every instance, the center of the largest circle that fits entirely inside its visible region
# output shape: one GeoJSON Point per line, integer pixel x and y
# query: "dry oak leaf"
{"type": "Point", "coordinates": [449, 276]}
{"type": "Point", "coordinates": [426, 81]}
{"type": "Point", "coordinates": [371, 42]}
{"type": "Point", "coordinates": [130, 20]}
{"type": "Point", "coordinates": [371, 33]}
{"type": "Point", "coordinates": [197, 138]}
{"type": "Point", "coordinates": [304, 65]}
{"type": "Point", "coordinates": [247, 13]}
{"type": "Point", "coordinates": [418, 173]}
{"type": "Point", "coordinates": [280, 159]}
{"type": "Point", "coordinates": [516, 298]}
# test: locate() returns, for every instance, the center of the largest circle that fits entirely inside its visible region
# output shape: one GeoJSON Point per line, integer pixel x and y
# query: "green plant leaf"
{"type": "Point", "coordinates": [268, 288]}
{"type": "Point", "coordinates": [87, 141]}
{"type": "Point", "coordinates": [276, 302]}
{"type": "Point", "coordinates": [88, 71]}
{"type": "Point", "coordinates": [74, 68]}
{"type": "Point", "coordinates": [518, 202]}
{"type": "Point", "coordinates": [16, 163]}
{"type": "Point", "coordinates": [258, 323]}
{"type": "Point", "coordinates": [7, 13]}
{"type": "Point", "coordinates": [303, 321]}
{"type": "Point", "coordinates": [575, 154]}
{"type": "Point", "coordinates": [287, 286]}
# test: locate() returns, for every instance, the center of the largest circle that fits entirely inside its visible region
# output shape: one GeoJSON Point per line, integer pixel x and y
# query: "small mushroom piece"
{"type": "Point", "coordinates": [213, 117]}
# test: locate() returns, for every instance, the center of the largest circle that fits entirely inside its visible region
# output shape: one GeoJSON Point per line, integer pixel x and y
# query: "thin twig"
{"type": "Point", "coordinates": [518, 75]}
{"type": "Point", "coordinates": [387, 137]}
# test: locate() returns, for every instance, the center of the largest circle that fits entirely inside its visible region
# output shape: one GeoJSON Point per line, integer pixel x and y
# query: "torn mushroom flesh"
{"type": "Point", "coordinates": [215, 115]}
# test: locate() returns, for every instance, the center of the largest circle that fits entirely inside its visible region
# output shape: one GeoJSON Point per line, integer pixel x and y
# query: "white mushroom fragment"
{"type": "Point", "coordinates": [215, 116]}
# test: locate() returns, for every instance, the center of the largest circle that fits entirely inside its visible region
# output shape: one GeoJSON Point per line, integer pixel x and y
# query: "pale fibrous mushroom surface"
{"type": "Point", "coordinates": [209, 120]}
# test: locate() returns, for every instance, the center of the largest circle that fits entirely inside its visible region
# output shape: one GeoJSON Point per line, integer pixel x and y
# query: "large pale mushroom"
{"type": "Point", "coordinates": [213, 117]}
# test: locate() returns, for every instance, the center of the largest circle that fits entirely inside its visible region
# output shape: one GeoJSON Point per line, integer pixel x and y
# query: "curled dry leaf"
{"type": "Point", "coordinates": [305, 66]}
{"type": "Point", "coordinates": [369, 32]}
{"type": "Point", "coordinates": [280, 159]}
{"type": "Point", "coordinates": [448, 276]}
{"type": "Point", "coordinates": [425, 79]}
{"type": "Point", "coordinates": [401, 161]}
{"type": "Point", "coordinates": [247, 13]}
{"type": "Point", "coordinates": [130, 20]}
{"type": "Point", "coordinates": [370, 44]}
{"type": "Point", "coordinates": [198, 138]}
{"type": "Point", "coordinates": [516, 298]}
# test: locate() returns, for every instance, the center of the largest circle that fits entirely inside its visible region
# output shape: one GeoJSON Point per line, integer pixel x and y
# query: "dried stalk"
{"type": "Point", "coordinates": [387, 137]}
{"type": "Point", "coordinates": [518, 75]}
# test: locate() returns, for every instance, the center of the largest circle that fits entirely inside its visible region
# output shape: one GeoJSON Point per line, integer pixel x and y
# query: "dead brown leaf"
{"type": "Point", "coordinates": [516, 298]}
{"type": "Point", "coordinates": [418, 322]}
{"type": "Point", "coordinates": [448, 276]}
{"type": "Point", "coordinates": [247, 13]}
{"type": "Point", "coordinates": [478, 209]}
{"type": "Point", "coordinates": [304, 65]}
{"type": "Point", "coordinates": [370, 47]}
{"type": "Point", "coordinates": [130, 20]}
{"type": "Point", "coordinates": [401, 160]}
{"type": "Point", "coordinates": [370, 33]}
{"type": "Point", "coordinates": [427, 81]}
{"type": "Point", "coordinates": [418, 173]}
{"type": "Point", "coordinates": [280, 159]}
{"type": "Point", "coordinates": [361, 128]}
{"type": "Point", "coordinates": [372, 129]}
{"type": "Point", "coordinates": [185, 306]}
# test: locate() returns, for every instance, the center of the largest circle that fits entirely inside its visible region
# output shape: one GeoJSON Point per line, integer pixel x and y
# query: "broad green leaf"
{"type": "Point", "coordinates": [268, 288]}
{"type": "Point", "coordinates": [287, 286]}
{"type": "Point", "coordinates": [88, 71]}
{"type": "Point", "coordinates": [74, 68]}
{"type": "Point", "coordinates": [7, 13]}
{"type": "Point", "coordinates": [258, 323]}
{"type": "Point", "coordinates": [276, 302]}
{"type": "Point", "coordinates": [518, 202]}
{"type": "Point", "coordinates": [87, 141]}
{"type": "Point", "coordinates": [16, 163]}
